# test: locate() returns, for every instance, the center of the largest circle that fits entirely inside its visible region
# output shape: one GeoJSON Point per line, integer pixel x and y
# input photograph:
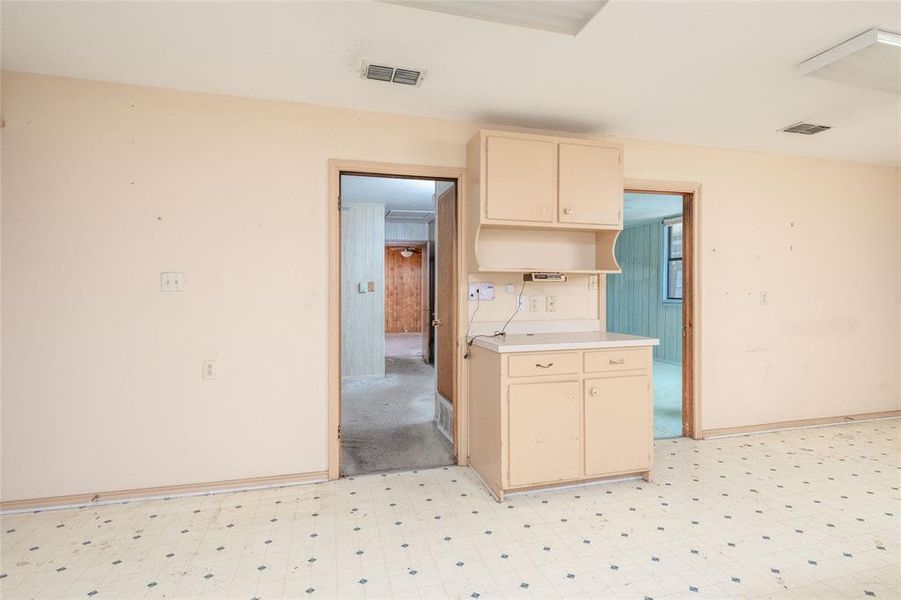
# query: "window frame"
{"type": "Point", "coordinates": [668, 224]}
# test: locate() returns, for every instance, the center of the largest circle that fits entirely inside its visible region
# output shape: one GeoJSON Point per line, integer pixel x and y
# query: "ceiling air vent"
{"type": "Point", "coordinates": [406, 76]}
{"type": "Point", "coordinates": [410, 215]}
{"type": "Point", "coordinates": [379, 72]}
{"type": "Point", "coordinates": [806, 128]}
{"type": "Point", "coordinates": [400, 75]}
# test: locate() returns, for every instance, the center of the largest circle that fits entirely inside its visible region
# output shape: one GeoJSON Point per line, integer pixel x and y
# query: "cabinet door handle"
{"type": "Point", "coordinates": [567, 211]}
{"type": "Point", "coordinates": [541, 366]}
{"type": "Point", "coordinates": [617, 361]}
{"type": "Point", "coordinates": [595, 391]}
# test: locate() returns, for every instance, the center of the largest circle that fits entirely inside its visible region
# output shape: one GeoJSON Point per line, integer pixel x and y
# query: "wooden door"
{"type": "Point", "coordinates": [426, 313]}
{"type": "Point", "coordinates": [403, 290]}
{"type": "Point", "coordinates": [544, 432]}
{"type": "Point", "coordinates": [591, 185]}
{"type": "Point", "coordinates": [619, 424]}
{"type": "Point", "coordinates": [520, 179]}
{"type": "Point", "coordinates": [446, 293]}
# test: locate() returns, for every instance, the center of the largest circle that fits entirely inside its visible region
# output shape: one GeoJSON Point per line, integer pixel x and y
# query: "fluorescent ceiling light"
{"type": "Point", "coordinates": [558, 16]}
{"type": "Point", "coordinates": [871, 59]}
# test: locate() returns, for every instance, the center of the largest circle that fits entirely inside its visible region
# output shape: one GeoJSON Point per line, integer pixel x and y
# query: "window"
{"type": "Point", "coordinates": [672, 271]}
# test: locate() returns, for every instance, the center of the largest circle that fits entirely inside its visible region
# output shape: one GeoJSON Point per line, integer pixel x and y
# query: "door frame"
{"type": "Point", "coordinates": [691, 301]}
{"type": "Point", "coordinates": [336, 168]}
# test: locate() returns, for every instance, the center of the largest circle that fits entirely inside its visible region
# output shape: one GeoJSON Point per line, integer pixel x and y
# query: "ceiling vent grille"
{"type": "Point", "coordinates": [410, 215]}
{"type": "Point", "coordinates": [806, 128]}
{"type": "Point", "coordinates": [379, 72]}
{"type": "Point", "coordinates": [399, 75]}
{"type": "Point", "coordinates": [406, 76]}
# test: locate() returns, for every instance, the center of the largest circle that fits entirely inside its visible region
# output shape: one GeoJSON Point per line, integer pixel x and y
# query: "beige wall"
{"type": "Point", "coordinates": [104, 186]}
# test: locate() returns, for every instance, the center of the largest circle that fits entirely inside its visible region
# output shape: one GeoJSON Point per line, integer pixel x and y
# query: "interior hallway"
{"type": "Point", "coordinates": [389, 424]}
{"type": "Point", "coordinates": [403, 345]}
{"type": "Point", "coordinates": [809, 513]}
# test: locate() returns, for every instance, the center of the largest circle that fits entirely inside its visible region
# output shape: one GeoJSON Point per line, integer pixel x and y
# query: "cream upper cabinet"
{"type": "Point", "coordinates": [544, 426]}
{"type": "Point", "coordinates": [520, 179]}
{"type": "Point", "coordinates": [590, 187]}
{"type": "Point", "coordinates": [619, 425]}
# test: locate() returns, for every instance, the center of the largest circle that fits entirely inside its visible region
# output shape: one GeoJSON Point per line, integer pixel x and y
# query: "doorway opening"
{"type": "Point", "coordinates": [398, 304]}
{"type": "Point", "coordinates": [653, 297]}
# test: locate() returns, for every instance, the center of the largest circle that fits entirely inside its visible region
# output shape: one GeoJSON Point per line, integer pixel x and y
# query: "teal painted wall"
{"type": "Point", "coordinates": [634, 297]}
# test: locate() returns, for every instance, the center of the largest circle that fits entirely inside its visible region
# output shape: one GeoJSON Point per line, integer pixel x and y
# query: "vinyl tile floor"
{"type": "Point", "coordinates": [810, 513]}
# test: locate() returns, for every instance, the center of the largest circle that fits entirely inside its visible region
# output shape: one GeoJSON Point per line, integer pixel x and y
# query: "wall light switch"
{"type": "Point", "coordinates": [172, 281]}
{"type": "Point", "coordinates": [534, 305]}
{"type": "Point", "coordinates": [363, 287]}
{"type": "Point", "coordinates": [209, 369]}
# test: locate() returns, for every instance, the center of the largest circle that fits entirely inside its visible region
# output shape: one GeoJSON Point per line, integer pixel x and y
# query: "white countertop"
{"type": "Point", "coordinates": [584, 340]}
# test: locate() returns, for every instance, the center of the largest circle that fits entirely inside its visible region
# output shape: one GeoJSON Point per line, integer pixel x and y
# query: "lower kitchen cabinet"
{"type": "Point", "coordinates": [619, 423]}
{"type": "Point", "coordinates": [544, 432]}
{"type": "Point", "coordinates": [540, 419]}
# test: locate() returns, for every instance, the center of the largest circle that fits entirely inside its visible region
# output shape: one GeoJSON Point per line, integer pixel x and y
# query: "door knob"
{"type": "Point", "coordinates": [436, 322]}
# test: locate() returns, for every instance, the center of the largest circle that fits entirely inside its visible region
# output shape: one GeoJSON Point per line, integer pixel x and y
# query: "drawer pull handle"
{"type": "Point", "coordinates": [595, 391]}
{"type": "Point", "coordinates": [617, 361]}
{"type": "Point", "coordinates": [541, 366]}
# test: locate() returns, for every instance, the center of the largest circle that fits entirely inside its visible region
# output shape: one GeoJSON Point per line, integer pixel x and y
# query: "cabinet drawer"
{"type": "Point", "coordinates": [531, 365]}
{"type": "Point", "coordinates": [624, 359]}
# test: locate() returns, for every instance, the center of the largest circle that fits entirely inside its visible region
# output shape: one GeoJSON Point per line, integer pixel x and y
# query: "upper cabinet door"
{"type": "Point", "coordinates": [591, 185]}
{"type": "Point", "coordinates": [520, 179]}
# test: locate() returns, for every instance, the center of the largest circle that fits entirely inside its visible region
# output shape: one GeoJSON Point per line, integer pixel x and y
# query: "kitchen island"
{"type": "Point", "coordinates": [560, 408]}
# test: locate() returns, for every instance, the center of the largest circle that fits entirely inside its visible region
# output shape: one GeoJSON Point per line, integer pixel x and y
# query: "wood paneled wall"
{"type": "Point", "coordinates": [635, 298]}
{"type": "Point", "coordinates": [362, 314]}
{"type": "Point", "coordinates": [403, 291]}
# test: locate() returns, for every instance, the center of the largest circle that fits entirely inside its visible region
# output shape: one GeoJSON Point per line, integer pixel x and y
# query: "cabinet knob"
{"type": "Point", "coordinates": [595, 391]}
{"type": "Point", "coordinates": [567, 211]}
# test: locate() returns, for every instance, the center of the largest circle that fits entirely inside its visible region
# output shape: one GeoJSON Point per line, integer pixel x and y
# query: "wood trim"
{"type": "Point", "coordinates": [688, 287]}
{"type": "Point", "coordinates": [336, 167]}
{"type": "Point", "coordinates": [820, 422]}
{"type": "Point", "coordinates": [231, 485]}
{"type": "Point", "coordinates": [691, 351]}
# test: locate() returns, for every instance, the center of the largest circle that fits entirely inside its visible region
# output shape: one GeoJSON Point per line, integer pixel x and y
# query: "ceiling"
{"type": "Point", "coordinates": [640, 208]}
{"type": "Point", "coordinates": [394, 193]}
{"type": "Point", "coordinates": [711, 73]}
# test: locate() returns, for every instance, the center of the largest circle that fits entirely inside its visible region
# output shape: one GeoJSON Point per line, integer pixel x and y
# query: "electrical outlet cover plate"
{"type": "Point", "coordinates": [483, 289]}
{"type": "Point", "coordinates": [172, 281]}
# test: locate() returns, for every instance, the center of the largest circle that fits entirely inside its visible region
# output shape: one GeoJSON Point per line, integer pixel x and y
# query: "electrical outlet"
{"type": "Point", "coordinates": [172, 282]}
{"type": "Point", "coordinates": [209, 369]}
{"type": "Point", "coordinates": [592, 282]}
{"type": "Point", "coordinates": [534, 305]}
{"type": "Point", "coordinates": [551, 303]}
{"type": "Point", "coordinates": [481, 291]}
{"type": "Point", "coordinates": [520, 304]}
